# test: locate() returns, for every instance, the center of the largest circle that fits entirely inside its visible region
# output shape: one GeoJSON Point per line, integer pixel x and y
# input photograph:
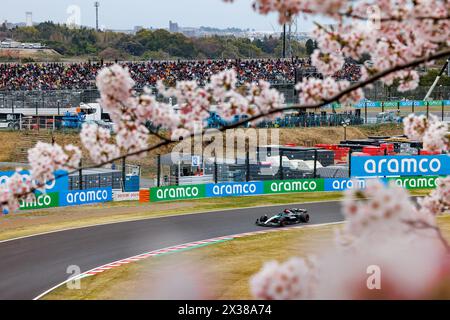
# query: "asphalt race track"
{"type": "Point", "coordinates": [30, 266]}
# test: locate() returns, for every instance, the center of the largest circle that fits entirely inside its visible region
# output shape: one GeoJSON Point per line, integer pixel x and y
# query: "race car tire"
{"type": "Point", "coordinates": [283, 223]}
{"type": "Point", "coordinates": [304, 217]}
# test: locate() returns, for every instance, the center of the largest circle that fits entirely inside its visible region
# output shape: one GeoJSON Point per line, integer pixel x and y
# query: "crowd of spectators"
{"type": "Point", "coordinates": [58, 76]}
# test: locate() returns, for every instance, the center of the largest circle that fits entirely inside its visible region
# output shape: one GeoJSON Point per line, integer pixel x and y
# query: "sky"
{"type": "Point", "coordinates": [124, 15]}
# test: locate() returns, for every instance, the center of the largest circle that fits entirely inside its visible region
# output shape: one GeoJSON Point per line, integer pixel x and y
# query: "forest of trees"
{"type": "Point", "coordinates": [146, 44]}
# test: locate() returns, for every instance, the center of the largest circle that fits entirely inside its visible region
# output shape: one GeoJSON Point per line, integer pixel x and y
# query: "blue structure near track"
{"type": "Point", "coordinates": [81, 197]}
{"type": "Point", "coordinates": [235, 189]}
{"type": "Point", "coordinates": [60, 184]}
{"type": "Point", "coordinates": [132, 183]}
{"type": "Point", "coordinates": [391, 166]}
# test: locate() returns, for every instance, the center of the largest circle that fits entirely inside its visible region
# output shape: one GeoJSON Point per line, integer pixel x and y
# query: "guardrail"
{"type": "Point", "coordinates": [432, 168]}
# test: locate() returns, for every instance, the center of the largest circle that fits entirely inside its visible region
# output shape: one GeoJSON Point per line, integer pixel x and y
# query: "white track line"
{"type": "Point", "coordinates": [146, 255]}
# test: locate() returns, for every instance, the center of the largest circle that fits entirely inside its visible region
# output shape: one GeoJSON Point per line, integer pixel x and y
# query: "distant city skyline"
{"type": "Point", "coordinates": [116, 15]}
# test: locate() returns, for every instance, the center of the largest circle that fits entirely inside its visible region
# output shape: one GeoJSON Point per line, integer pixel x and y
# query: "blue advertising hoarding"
{"type": "Point", "coordinates": [342, 184]}
{"type": "Point", "coordinates": [81, 197]}
{"type": "Point", "coordinates": [410, 183]}
{"type": "Point", "coordinates": [58, 185]}
{"type": "Point", "coordinates": [234, 189]}
{"type": "Point", "coordinates": [391, 166]}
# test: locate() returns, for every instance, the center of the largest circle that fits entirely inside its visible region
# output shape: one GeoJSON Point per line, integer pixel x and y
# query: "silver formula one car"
{"type": "Point", "coordinates": [284, 218]}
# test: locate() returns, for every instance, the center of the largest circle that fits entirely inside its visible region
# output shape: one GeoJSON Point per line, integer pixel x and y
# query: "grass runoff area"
{"type": "Point", "coordinates": [228, 267]}
{"type": "Point", "coordinates": [47, 220]}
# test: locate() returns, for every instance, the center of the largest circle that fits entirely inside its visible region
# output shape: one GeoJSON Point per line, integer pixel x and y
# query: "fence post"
{"type": "Point", "coordinates": [442, 110]}
{"type": "Point", "coordinates": [365, 111]}
{"type": "Point", "coordinates": [247, 166]}
{"type": "Point", "coordinates": [124, 174]}
{"type": "Point", "coordinates": [179, 173]}
{"type": "Point", "coordinates": [281, 165]}
{"type": "Point", "coordinates": [80, 176]}
{"type": "Point", "coordinates": [315, 163]}
{"type": "Point", "coordinates": [216, 178]}
{"type": "Point", "coordinates": [158, 170]}
{"type": "Point", "coordinates": [350, 163]}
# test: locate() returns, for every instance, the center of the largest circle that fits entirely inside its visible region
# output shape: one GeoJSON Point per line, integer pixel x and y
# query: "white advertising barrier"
{"type": "Point", "coordinates": [125, 196]}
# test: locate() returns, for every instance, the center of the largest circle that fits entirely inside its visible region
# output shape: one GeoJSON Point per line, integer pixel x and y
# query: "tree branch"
{"type": "Point", "coordinates": [337, 97]}
{"type": "Point", "coordinates": [423, 225]}
{"type": "Point", "coordinates": [391, 19]}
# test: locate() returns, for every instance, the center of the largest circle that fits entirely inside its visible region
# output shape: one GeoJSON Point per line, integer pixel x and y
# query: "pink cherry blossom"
{"type": "Point", "coordinates": [327, 64]}
{"type": "Point", "coordinates": [17, 187]}
{"type": "Point", "coordinates": [292, 280]}
{"type": "Point", "coordinates": [45, 159]}
{"type": "Point", "coordinates": [430, 130]}
{"type": "Point", "coordinates": [97, 141]}
{"type": "Point", "coordinates": [314, 91]}
{"type": "Point", "coordinates": [439, 199]}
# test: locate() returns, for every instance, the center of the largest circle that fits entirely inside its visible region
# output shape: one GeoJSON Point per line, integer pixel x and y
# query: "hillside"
{"type": "Point", "coordinates": [15, 144]}
{"type": "Point", "coordinates": [30, 54]}
{"type": "Point", "coordinates": [156, 44]}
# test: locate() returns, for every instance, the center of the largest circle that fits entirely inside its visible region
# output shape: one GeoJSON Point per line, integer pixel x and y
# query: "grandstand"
{"type": "Point", "coordinates": [55, 76]}
{"type": "Point", "coordinates": [46, 92]}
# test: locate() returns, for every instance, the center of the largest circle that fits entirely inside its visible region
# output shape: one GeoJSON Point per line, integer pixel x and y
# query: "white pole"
{"type": "Point", "coordinates": [444, 67]}
{"type": "Point", "coordinates": [432, 88]}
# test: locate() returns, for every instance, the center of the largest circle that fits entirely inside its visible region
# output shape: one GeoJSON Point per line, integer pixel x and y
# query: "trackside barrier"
{"type": "Point", "coordinates": [102, 195]}
{"type": "Point", "coordinates": [68, 198]}
{"type": "Point", "coordinates": [387, 166]}
{"type": "Point", "coordinates": [120, 196]}
{"type": "Point", "coordinates": [278, 187]}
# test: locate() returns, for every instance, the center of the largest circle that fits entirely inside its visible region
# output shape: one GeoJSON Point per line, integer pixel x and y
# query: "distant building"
{"type": "Point", "coordinates": [11, 44]}
{"type": "Point", "coordinates": [173, 27]}
{"type": "Point", "coordinates": [138, 28]}
{"type": "Point", "coordinates": [29, 19]}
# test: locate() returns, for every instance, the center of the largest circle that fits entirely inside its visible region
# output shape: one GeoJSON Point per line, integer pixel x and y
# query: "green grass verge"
{"type": "Point", "coordinates": [40, 221]}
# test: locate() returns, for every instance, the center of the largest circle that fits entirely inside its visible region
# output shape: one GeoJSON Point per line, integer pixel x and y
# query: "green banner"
{"type": "Point", "coordinates": [336, 105]}
{"type": "Point", "coordinates": [291, 186]}
{"type": "Point", "coordinates": [435, 103]}
{"type": "Point", "coordinates": [43, 201]}
{"type": "Point", "coordinates": [177, 193]}
{"type": "Point", "coordinates": [390, 104]}
{"type": "Point", "coordinates": [412, 183]}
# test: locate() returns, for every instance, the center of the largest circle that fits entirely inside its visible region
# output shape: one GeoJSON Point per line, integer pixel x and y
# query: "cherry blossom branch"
{"type": "Point", "coordinates": [165, 141]}
{"type": "Point", "coordinates": [392, 19]}
{"type": "Point", "coordinates": [348, 90]}
{"type": "Point", "coordinates": [423, 225]}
